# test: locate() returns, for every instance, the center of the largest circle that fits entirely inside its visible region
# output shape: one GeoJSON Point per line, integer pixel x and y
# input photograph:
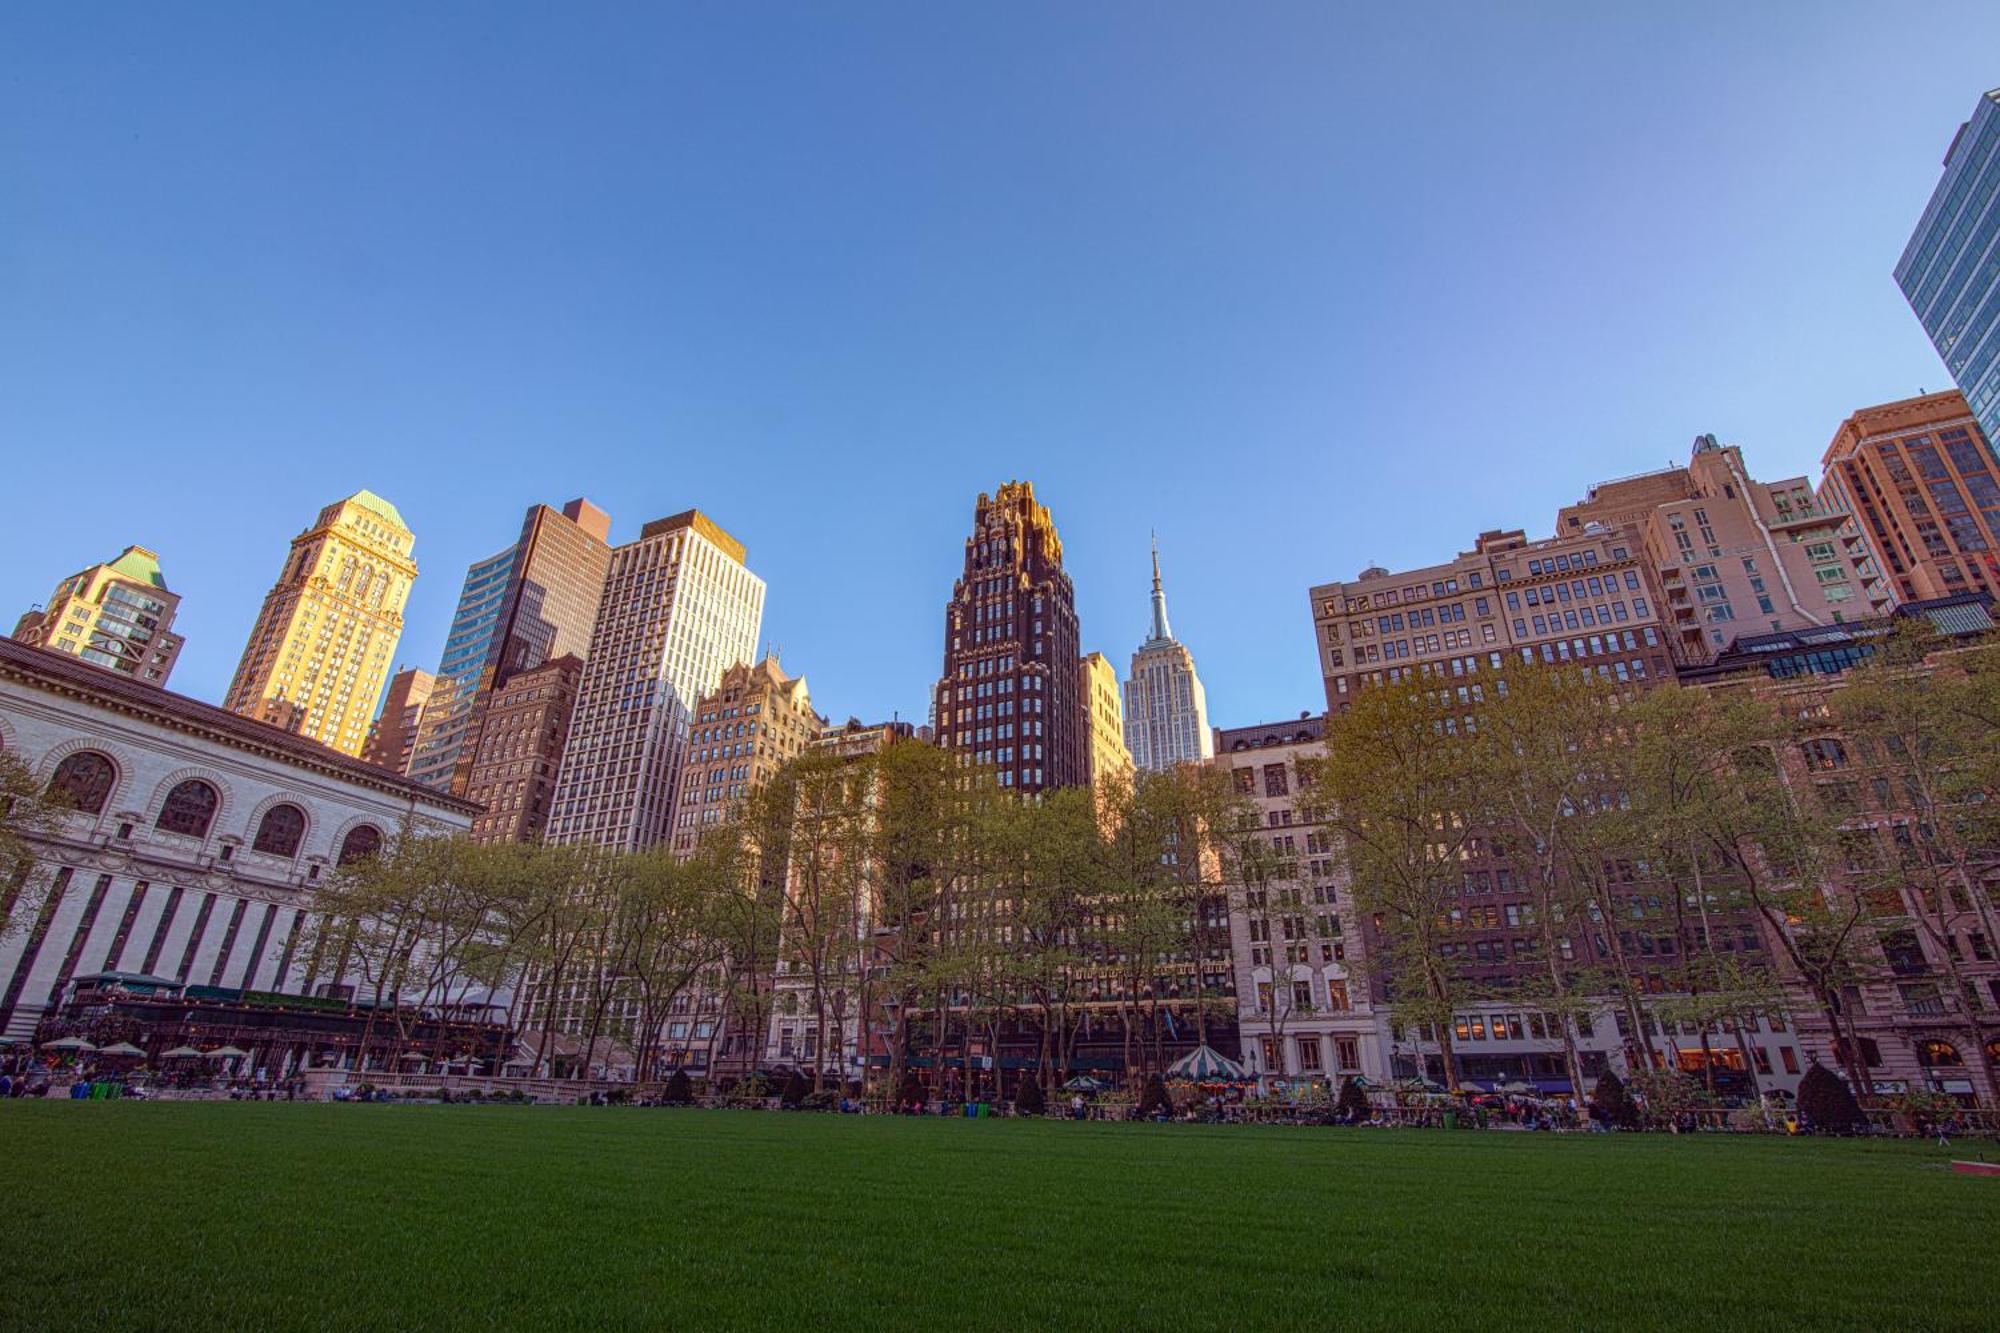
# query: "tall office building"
{"type": "Point", "coordinates": [744, 728]}
{"type": "Point", "coordinates": [522, 734]}
{"type": "Point", "coordinates": [1919, 477]}
{"type": "Point", "coordinates": [1950, 270]}
{"type": "Point", "coordinates": [117, 615]}
{"type": "Point", "coordinates": [320, 650]}
{"type": "Point", "coordinates": [1104, 719]}
{"type": "Point", "coordinates": [679, 607]}
{"type": "Point", "coordinates": [393, 734]}
{"type": "Point", "coordinates": [1166, 709]}
{"type": "Point", "coordinates": [1735, 556]}
{"type": "Point", "coordinates": [1010, 695]}
{"type": "Point", "coordinates": [531, 602]}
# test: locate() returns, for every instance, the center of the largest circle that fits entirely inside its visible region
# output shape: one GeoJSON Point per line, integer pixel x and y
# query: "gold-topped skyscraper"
{"type": "Point", "coordinates": [322, 645]}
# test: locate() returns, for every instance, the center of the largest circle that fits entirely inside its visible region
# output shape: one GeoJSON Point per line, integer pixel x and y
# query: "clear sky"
{"type": "Point", "coordinates": [1304, 288]}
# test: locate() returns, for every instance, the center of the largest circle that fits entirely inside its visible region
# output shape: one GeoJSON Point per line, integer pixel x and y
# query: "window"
{"type": "Point", "coordinates": [361, 842]}
{"type": "Point", "coordinates": [189, 809]}
{"type": "Point", "coordinates": [1309, 1053]}
{"type": "Point", "coordinates": [85, 780]}
{"type": "Point", "coordinates": [1348, 1051]}
{"type": "Point", "coordinates": [280, 831]}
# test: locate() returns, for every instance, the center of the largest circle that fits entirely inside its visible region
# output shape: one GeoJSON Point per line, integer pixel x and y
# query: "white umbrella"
{"type": "Point", "coordinates": [68, 1044]}
{"type": "Point", "coordinates": [227, 1053]}
{"type": "Point", "coordinates": [120, 1048]}
{"type": "Point", "coordinates": [180, 1053]}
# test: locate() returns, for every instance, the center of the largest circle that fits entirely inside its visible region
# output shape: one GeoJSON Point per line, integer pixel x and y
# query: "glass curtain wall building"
{"type": "Point", "coordinates": [1950, 271]}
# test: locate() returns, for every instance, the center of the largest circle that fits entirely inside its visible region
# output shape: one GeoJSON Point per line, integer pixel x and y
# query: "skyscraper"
{"type": "Point", "coordinates": [322, 644]}
{"type": "Point", "coordinates": [531, 602]}
{"type": "Point", "coordinates": [118, 615]}
{"type": "Point", "coordinates": [1166, 709]}
{"type": "Point", "coordinates": [679, 607]}
{"type": "Point", "coordinates": [393, 734]}
{"type": "Point", "coordinates": [523, 730]}
{"type": "Point", "coordinates": [1920, 479]}
{"type": "Point", "coordinates": [1950, 270]}
{"type": "Point", "coordinates": [1104, 720]}
{"type": "Point", "coordinates": [1010, 695]}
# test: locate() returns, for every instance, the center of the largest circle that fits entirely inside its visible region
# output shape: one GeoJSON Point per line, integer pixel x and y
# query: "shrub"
{"type": "Point", "coordinates": [679, 1091]}
{"type": "Point", "coordinates": [1353, 1104]}
{"type": "Point", "coordinates": [795, 1091]}
{"type": "Point", "coordinates": [1608, 1098]}
{"type": "Point", "coordinates": [1028, 1099]}
{"type": "Point", "coordinates": [819, 1101]}
{"type": "Point", "coordinates": [1153, 1098]}
{"type": "Point", "coordinates": [1827, 1104]}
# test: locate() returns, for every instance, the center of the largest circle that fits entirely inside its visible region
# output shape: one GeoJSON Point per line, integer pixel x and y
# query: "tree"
{"type": "Point", "coordinates": [679, 1090]}
{"type": "Point", "coordinates": [1546, 752]}
{"type": "Point", "coordinates": [796, 1090]}
{"type": "Point", "coordinates": [1028, 1098]}
{"type": "Point", "coordinates": [1153, 1099]}
{"type": "Point", "coordinates": [1613, 1107]}
{"type": "Point", "coordinates": [1827, 1104]}
{"type": "Point", "coordinates": [29, 813]}
{"type": "Point", "coordinates": [1397, 787]}
{"type": "Point", "coordinates": [1925, 717]}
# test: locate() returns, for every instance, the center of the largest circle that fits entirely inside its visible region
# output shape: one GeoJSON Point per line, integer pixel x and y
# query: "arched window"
{"type": "Point", "coordinates": [280, 831]}
{"type": "Point", "coordinates": [1934, 1053]}
{"type": "Point", "coordinates": [189, 808]}
{"type": "Point", "coordinates": [362, 841]}
{"type": "Point", "coordinates": [85, 780]}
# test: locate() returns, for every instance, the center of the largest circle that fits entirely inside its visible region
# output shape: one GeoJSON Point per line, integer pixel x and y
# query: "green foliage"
{"type": "Point", "coordinates": [1153, 1097]}
{"type": "Point", "coordinates": [796, 1089]}
{"type": "Point", "coordinates": [1827, 1103]}
{"type": "Point", "coordinates": [912, 1092]}
{"type": "Point", "coordinates": [1028, 1099]}
{"type": "Point", "coordinates": [679, 1090]}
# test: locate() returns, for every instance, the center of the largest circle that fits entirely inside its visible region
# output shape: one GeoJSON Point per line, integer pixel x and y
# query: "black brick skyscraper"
{"type": "Point", "coordinates": [1010, 696]}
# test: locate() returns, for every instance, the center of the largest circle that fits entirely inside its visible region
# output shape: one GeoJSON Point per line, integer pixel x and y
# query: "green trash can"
{"type": "Point", "coordinates": [1451, 1120]}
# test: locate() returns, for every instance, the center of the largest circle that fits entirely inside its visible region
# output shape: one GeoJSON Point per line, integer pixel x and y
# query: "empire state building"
{"type": "Point", "coordinates": [1166, 709]}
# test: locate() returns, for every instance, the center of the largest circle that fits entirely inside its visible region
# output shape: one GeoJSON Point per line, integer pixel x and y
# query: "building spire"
{"type": "Point", "coordinates": [1160, 630]}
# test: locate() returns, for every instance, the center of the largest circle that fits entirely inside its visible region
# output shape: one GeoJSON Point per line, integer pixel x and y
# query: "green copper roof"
{"type": "Point", "coordinates": [370, 500]}
{"type": "Point", "coordinates": [141, 566]}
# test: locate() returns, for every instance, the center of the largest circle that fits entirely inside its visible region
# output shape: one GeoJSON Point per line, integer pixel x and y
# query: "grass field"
{"type": "Point", "coordinates": [121, 1215]}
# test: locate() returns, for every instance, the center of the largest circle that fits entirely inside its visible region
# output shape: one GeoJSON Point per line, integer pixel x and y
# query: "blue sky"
{"type": "Point", "coordinates": [1304, 288]}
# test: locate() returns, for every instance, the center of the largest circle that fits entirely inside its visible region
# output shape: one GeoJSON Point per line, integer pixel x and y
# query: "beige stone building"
{"type": "Point", "coordinates": [393, 734]}
{"type": "Point", "coordinates": [1735, 556]}
{"type": "Point", "coordinates": [1104, 717]}
{"type": "Point", "coordinates": [118, 615]}
{"type": "Point", "coordinates": [1303, 1007]}
{"type": "Point", "coordinates": [744, 729]}
{"type": "Point", "coordinates": [320, 651]}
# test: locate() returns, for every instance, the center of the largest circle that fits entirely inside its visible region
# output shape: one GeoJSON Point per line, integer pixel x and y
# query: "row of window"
{"type": "Point", "coordinates": [85, 781]}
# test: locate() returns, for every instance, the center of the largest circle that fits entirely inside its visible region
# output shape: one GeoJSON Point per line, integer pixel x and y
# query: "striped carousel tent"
{"type": "Point", "coordinates": [1204, 1065]}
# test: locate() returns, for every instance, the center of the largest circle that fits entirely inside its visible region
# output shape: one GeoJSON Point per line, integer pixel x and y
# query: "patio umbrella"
{"type": "Point", "coordinates": [1085, 1083]}
{"type": "Point", "coordinates": [227, 1053]}
{"type": "Point", "coordinates": [68, 1044]}
{"type": "Point", "coordinates": [120, 1048]}
{"type": "Point", "coordinates": [1205, 1065]}
{"type": "Point", "coordinates": [181, 1053]}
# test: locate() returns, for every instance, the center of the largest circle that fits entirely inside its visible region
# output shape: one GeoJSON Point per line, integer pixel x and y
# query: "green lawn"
{"type": "Point", "coordinates": [118, 1215]}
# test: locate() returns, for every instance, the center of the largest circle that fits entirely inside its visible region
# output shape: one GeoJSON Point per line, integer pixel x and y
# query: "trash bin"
{"type": "Point", "coordinates": [1451, 1120]}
